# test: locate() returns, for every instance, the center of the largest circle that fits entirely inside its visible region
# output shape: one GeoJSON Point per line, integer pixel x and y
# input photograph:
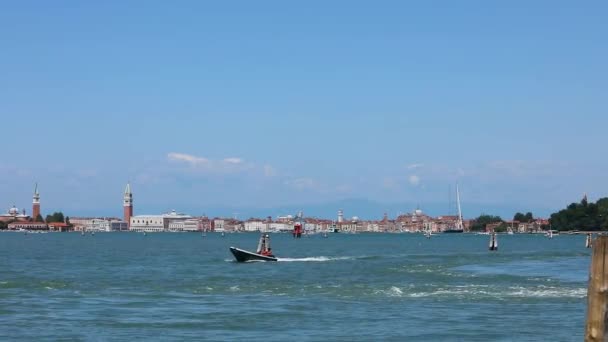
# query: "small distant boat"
{"type": "Point", "coordinates": [325, 235]}
{"type": "Point", "coordinates": [493, 246]}
{"type": "Point", "coordinates": [145, 234]}
{"type": "Point", "coordinates": [588, 242]}
{"type": "Point", "coordinates": [222, 233]}
{"type": "Point", "coordinates": [550, 234]}
{"type": "Point", "coordinates": [428, 234]}
{"type": "Point", "coordinates": [453, 230]}
{"type": "Point", "coordinates": [263, 253]}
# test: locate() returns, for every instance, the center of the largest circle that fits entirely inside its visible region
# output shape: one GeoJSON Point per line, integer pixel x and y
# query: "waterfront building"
{"type": "Point", "coordinates": [280, 227]}
{"type": "Point", "coordinates": [81, 223]}
{"type": "Point", "coordinates": [28, 226]}
{"type": "Point", "coordinates": [188, 225]}
{"type": "Point", "coordinates": [59, 226]}
{"type": "Point", "coordinates": [105, 225]}
{"type": "Point", "coordinates": [13, 214]}
{"type": "Point", "coordinates": [255, 225]}
{"type": "Point", "coordinates": [233, 225]}
{"type": "Point", "coordinates": [218, 225]}
{"type": "Point", "coordinates": [156, 223]}
{"type": "Point", "coordinates": [372, 227]}
{"type": "Point", "coordinates": [205, 224]}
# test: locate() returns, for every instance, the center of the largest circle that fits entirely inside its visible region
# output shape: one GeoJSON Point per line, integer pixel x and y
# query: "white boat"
{"type": "Point", "coordinates": [428, 234]}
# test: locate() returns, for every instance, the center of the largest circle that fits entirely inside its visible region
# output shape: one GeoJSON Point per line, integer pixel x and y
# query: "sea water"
{"type": "Point", "coordinates": [363, 287]}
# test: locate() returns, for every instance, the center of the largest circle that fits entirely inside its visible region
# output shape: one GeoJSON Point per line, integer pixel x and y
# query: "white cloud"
{"type": "Point", "coordinates": [414, 166]}
{"type": "Point", "coordinates": [200, 164]}
{"type": "Point", "coordinates": [233, 160]}
{"type": "Point", "coordinates": [187, 158]}
{"type": "Point", "coordinates": [414, 180]}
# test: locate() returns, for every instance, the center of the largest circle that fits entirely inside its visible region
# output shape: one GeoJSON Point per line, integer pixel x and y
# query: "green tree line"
{"type": "Point", "coordinates": [582, 216]}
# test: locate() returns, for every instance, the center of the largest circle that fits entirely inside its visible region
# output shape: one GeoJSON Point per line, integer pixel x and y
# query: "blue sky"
{"type": "Point", "coordinates": [253, 106]}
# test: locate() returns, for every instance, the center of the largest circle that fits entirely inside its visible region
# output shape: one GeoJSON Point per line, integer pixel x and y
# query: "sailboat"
{"type": "Point", "coordinates": [493, 246]}
{"type": "Point", "coordinates": [459, 228]}
{"type": "Point", "coordinates": [263, 252]}
{"type": "Point", "coordinates": [588, 241]}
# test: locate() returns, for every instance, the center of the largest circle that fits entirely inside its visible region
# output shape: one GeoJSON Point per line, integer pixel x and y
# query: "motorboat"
{"type": "Point", "coordinates": [263, 252]}
{"type": "Point", "coordinates": [242, 255]}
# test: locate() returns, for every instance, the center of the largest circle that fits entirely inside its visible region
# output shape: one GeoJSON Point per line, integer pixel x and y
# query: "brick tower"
{"type": "Point", "coordinates": [128, 204]}
{"type": "Point", "coordinates": [36, 204]}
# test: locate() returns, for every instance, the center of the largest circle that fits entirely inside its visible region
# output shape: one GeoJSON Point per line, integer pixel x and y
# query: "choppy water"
{"type": "Point", "coordinates": [127, 286]}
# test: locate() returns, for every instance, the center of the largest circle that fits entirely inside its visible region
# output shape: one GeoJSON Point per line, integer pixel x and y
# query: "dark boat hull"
{"type": "Point", "coordinates": [453, 231]}
{"type": "Point", "coordinates": [242, 255]}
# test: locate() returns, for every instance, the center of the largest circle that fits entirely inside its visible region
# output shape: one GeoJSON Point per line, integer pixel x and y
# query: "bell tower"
{"type": "Point", "coordinates": [128, 204]}
{"type": "Point", "coordinates": [36, 204]}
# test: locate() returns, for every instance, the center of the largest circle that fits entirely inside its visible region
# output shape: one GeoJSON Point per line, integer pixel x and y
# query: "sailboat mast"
{"type": "Point", "coordinates": [459, 211]}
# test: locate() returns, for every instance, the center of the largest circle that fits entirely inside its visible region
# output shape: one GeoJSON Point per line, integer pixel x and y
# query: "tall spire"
{"type": "Point", "coordinates": [36, 194]}
{"type": "Point", "coordinates": [128, 204]}
{"type": "Point", "coordinates": [36, 203]}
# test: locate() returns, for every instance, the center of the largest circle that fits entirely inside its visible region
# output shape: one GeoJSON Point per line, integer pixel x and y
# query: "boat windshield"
{"type": "Point", "coordinates": [264, 244]}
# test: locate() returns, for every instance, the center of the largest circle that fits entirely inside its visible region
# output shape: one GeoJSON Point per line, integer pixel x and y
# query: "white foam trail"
{"type": "Point", "coordinates": [486, 292]}
{"type": "Point", "coordinates": [317, 259]}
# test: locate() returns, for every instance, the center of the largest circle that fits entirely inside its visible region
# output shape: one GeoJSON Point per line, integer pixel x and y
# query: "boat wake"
{"type": "Point", "coordinates": [473, 292]}
{"type": "Point", "coordinates": [314, 259]}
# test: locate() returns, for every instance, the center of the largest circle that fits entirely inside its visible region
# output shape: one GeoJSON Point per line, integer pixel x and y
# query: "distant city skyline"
{"type": "Point", "coordinates": [257, 108]}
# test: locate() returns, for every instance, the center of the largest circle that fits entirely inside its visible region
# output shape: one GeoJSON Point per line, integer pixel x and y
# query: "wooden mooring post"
{"type": "Point", "coordinates": [597, 293]}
